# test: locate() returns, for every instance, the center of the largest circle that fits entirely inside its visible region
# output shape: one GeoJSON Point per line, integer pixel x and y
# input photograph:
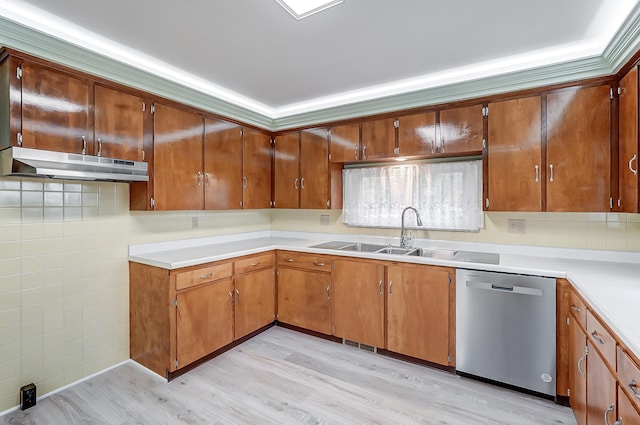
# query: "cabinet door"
{"type": "Point", "coordinates": [304, 299]}
{"type": "Point", "coordinates": [256, 165]}
{"type": "Point", "coordinates": [419, 312]}
{"type": "Point", "coordinates": [314, 169]}
{"type": "Point", "coordinates": [222, 165]}
{"type": "Point", "coordinates": [578, 150]}
{"type": "Point", "coordinates": [601, 389]}
{"type": "Point", "coordinates": [286, 171]}
{"type": "Point", "coordinates": [255, 297]}
{"type": "Point", "coordinates": [358, 301]}
{"type": "Point", "coordinates": [177, 146]}
{"type": "Point", "coordinates": [626, 411]}
{"type": "Point", "coordinates": [378, 139]}
{"type": "Point", "coordinates": [461, 130]}
{"type": "Point", "coordinates": [417, 134]}
{"type": "Point", "coordinates": [204, 321]}
{"type": "Point", "coordinates": [55, 110]}
{"type": "Point", "coordinates": [345, 143]}
{"type": "Point", "coordinates": [119, 124]}
{"type": "Point", "coordinates": [577, 372]}
{"type": "Point", "coordinates": [515, 155]}
{"type": "Point", "coordinates": [628, 154]}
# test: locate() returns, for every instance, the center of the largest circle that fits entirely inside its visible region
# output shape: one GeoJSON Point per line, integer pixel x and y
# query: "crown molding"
{"type": "Point", "coordinates": [622, 47]}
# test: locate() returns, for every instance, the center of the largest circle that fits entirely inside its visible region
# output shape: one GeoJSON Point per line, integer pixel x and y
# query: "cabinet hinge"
{"type": "Point", "coordinates": [19, 73]}
{"type": "Point", "coordinates": [272, 141]}
{"type": "Point", "coordinates": [486, 203]}
{"type": "Point", "coordinates": [152, 202]}
{"type": "Point", "coordinates": [619, 91]}
{"type": "Point", "coordinates": [143, 156]}
{"type": "Point", "coordinates": [569, 392]}
{"type": "Point", "coordinates": [449, 358]}
{"type": "Point", "coordinates": [586, 350]}
{"type": "Point", "coordinates": [328, 133]}
{"type": "Point", "coordinates": [396, 151]}
{"type": "Point", "coordinates": [329, 157]}
{"type": "Point", "coordinates": [153, 108]}
{"type": "Point", "coordinates": [272, 204]}
{"type": "Point", "coordinates": [144, 106]}
{"type": "Point", "coordinates": [449, 279]}
{"type": "Point", "coordinates": [485, 111]}
{"type": "Point", "coordinates": [328, 203]}
{"type": "Point", "coordinates": [396, 123]}
{"type": "Point", "coordinates": [241, 132]}
{"type": "Point", "coordinates": [611, 93]}
{"type": "Point", "coordinates": [19, 139]}
{"type": "Point", "coordinates": [175, 363]}
{"type": "Point", "coordinates": [484, 143]}
{"type": "Point", "coordinates": [175, 304]}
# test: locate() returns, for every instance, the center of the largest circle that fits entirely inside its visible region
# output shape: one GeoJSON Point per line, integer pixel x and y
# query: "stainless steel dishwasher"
{"type": "Point", "coordinates": [506, 329]}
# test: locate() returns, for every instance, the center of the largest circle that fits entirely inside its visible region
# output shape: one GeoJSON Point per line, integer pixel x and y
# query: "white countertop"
{"type": "Point", "coordinates": [609, 281]}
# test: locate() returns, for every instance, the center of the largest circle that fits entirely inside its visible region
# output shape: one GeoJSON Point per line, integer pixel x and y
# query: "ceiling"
{"type": "Point", "coordinates": [254, 54]}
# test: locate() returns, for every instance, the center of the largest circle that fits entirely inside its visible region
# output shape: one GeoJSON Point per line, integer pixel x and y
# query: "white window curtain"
{"type": "Point", "coordinates": [448, 195]}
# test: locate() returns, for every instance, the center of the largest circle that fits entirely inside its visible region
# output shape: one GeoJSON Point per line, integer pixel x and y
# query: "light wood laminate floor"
{"type": "Point", "coordinates": [284, 377]}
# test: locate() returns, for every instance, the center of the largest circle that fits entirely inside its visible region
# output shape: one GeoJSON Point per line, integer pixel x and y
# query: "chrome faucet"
{"type": "Point", "coordinates": [405, 241]}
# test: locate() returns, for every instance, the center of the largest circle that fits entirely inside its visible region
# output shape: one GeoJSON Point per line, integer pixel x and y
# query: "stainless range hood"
{"type": "Point", "coordinates": [25, 162]}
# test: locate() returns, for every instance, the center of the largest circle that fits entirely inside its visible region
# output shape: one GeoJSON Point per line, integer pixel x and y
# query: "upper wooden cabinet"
{"type": "Point", "coordinates": [303, 176]}
{"type": "Point", "coordinates": [256, 166]}
{"type": "Point", "coordinates": [578, 123]}
{"type": "Point", "coordinates": [461, 130]}
{"type": "Point", "coordinates": [344, 143]}
{"type": "Point", "coordinates": [515, 160]}
{"type": "Point", "coordinates": [222, 165]}
{"type": "Point", "coordinates": [628, 200]}
{"type": "Point", "coordinates": [378, 139]}
{"type": "Point", "coordinates": [119, 124]}
{"type": "Point", "coordinates": [55, 110]}
{"type": "Point", "coordinates": [417, 134]}
{"type": "Point", "coordinates": [178, 141]}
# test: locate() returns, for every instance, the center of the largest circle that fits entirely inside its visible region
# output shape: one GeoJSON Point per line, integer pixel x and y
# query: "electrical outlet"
{"type": "Point", "coordinates": [517, 227]}
{"type": "Point", "coordinates": [195, 222]}
{"type": "Point", "coordinates": [324, 219]}
{"type": "Point", "coordinates": [27, 396]}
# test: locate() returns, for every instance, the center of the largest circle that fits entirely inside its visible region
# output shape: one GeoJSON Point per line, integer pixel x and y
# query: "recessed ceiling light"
{"type": "Point", "coordinates": [302, 8]}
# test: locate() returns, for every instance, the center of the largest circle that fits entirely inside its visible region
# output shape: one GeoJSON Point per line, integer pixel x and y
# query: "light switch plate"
{"type": "Point", "coordinates": [516, 226]}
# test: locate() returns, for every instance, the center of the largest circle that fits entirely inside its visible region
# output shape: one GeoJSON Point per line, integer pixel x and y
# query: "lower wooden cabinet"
{"type": "Point", "coordinates": [627, 413]}
{"type": "Point", "coordinates": [204, 320]}
{"type": "Point", "coordinates": [578, 371]}
{"type": "Point", "coordinates": [601, 389]}
{"type": "Point", "coordinates": [358, 301]}
{"type": "Point", "coordinates": [421, 312]}
{"type": "Point", "coordinates": [255, 300]}
{"type": "Point", "coordinates": [304, 291]}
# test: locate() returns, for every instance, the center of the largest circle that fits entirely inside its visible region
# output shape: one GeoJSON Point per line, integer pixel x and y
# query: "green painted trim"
{"type": "Point", "coordinates": [625, 43]}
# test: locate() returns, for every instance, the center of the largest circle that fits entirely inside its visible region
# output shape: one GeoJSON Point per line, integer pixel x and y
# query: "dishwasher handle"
{"type": "Point", "coordinates": [512, 289]}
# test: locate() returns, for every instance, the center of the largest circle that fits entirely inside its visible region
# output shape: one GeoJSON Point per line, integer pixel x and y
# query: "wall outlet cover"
{"type": "Point", "coordinates": [516, 226]}
{"type": "Point", "coordinates": [195, 222]}
{"type": "Point", "coordinates": [27, 396]}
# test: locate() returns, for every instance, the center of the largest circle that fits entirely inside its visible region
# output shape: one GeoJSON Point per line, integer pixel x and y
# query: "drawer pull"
{"type": "Point", "coordinates": [289, 260]}
{"type": "Point", "coordinates": [319, 264]}
{"type": "Point", "coordinates": [204, 276]}
{"type": "Point", "coordinates": [575, 308]}
{"type": "Point", "coordinates": [597, 337]}
{"type": "Point", "coordinates": [256, 264]}
{"type": "Point", "coordinates": [380, 287]}
{"type": "Point", "coordinates": [238, 296]}
{"type": "Point", "coordinates": [606, 413]}
{"type": "Point", "coordinates": [633, 388]}
{"type": "Point", "coordinates": [230, 297]}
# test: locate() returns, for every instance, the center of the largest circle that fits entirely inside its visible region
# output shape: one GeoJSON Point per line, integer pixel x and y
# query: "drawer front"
{"type": "Point", "coordinates": [204, 275]}
{"type": "Point", "coordinates": [304, 261]}
{"type": "Point", "coordinates": [578, 309]}
{"type": "Point", "coordinates": [256, 262]}
{"type": "Point", "coordinates": [601, 339]}
{"type": "Point", "coordinates": [629, 376]}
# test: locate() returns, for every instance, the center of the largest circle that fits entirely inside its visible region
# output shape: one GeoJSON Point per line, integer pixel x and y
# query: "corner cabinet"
{"type": "Point", "coordinates": [256, 168]}
{"type": "Point", "coordinates": [628, 188]}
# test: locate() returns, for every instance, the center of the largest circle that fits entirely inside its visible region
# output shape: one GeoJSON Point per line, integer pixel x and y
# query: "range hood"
{"type": "Point", "coordinates": [25, 162]}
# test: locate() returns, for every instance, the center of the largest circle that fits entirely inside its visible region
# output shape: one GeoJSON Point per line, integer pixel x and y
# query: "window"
{"type": "Point", "coordinates": [448, 195]}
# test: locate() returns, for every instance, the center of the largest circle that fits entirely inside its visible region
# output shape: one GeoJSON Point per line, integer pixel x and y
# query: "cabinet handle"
{"type": "Point", "coordinates": [289, 260]}
{"type": "Point", "coordinates": [99, 146]}
{"type": "Point", "coordinates": [355, 153]}
{"type": "Point", "coordinates": [576, 309]}
{"type": "Point", "coordinates": [635, 157]}
{"type": "Point", "coordinates": [244, 182]}
{"type": "Point", "coordinates": [206, 179]}
{"type": "Point", "coordinates": [597, 337]}
{"type": "Point", "coordinates": [580, 360]}
{"type": "Point", "coordinates": [319, 264]}
{"type": "Point", "coordinates": [302, 183]}
{"type": "Point", "coordinates": [255, 264]}
{"type": "Point", "coordinates": [84, 145]}
{"type": "Point", "coordinates": [380, 287]}
{"type": "Point", "coordinates": [441, 150]}
{"type": "Point", "coordinates": [328, 292]}
{"type": "Point", "coordinates": [537, 173]}
{"type": "Point", "coordinates": [238, 296]}
{"type": "Point", "coordinates": [230, 297]}
{"type": "Point", "coordinates": [633, 388]}
{"type": "Point", "coordinates": [199, 178]}
{"type": "Point", "coordinates": [390, 285]}
{"type": "Point", "coordinates": [550, 172]}
{"type": "Point", "coordinates": [295, 183]}
{"type": "Point", "coordinates": [364, 152]}
{"type": "Point", "coordinates": [619, 421]}
{"type": "Point", "coordinates": [204, 276]}
{"type": "Point", "coordinates": [606, 413]}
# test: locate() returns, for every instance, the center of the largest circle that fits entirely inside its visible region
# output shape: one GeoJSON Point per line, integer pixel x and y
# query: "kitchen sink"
{"type": "Point", "coordinates": [442, 254]}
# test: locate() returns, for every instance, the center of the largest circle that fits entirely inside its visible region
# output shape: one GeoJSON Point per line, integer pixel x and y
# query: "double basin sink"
{"type": "Point", "coordinates": [465, 256]}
